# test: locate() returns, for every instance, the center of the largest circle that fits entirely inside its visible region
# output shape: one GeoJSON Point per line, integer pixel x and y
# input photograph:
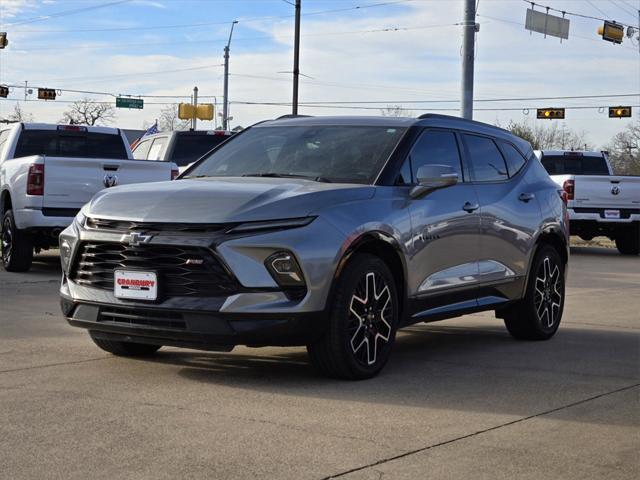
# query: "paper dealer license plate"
{"type": "Point", "coordinates": [135, 285]}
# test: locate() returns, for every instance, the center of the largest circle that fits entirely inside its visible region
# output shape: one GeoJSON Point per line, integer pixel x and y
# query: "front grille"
{"type": "Point", "coordinates": [182, 270]}
{"type": "Point", "coordinates": [128, 226]}
{"type": "Point", "coordinates": [134, 316]}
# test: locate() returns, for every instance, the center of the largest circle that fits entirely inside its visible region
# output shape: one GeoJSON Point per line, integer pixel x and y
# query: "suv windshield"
{"type": "Point", "coordinates": [343, 154]}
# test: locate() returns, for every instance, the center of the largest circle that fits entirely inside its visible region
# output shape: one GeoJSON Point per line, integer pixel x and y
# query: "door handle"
{"type": "Point", "coordinates": [470, 207]}
{"type": "Point", "coordinates": [526, 197]}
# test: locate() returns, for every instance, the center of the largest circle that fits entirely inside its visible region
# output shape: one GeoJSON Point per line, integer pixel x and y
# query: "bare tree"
{"type": "Point", "coordinates": [19, 115]}
{"type": "Point", "coordinates": [624, 150]}
{"type": "Point", "coordinates": [88, 112]}
{"type": "Point", "coordinates": [542, 136]}
{"type": "Point", "coordinates": [396, 111]}
{"type": "Point", "coordinates": [169, 121]}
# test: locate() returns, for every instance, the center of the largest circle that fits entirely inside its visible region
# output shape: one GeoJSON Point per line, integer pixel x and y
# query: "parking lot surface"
{"type": "Point", "coordinates": [458, 399]}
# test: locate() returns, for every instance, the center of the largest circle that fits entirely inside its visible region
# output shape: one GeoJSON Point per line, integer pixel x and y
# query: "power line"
{"type": "Point", "coordinates": [38, 48]}
{"type": "Point", "coordinates": [624, 7]}
{"type": "Point", "coordinates": [64, 13]}
{"type": "Point", "coordinates": [225, 22]}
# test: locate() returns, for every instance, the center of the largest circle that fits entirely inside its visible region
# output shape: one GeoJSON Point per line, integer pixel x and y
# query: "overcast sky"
{"type": "Point", "coordinates": [395, 53]}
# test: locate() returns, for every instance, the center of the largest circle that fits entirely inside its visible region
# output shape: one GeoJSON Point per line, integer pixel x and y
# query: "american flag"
{"type": "Point", "coordinates": [152, 129]}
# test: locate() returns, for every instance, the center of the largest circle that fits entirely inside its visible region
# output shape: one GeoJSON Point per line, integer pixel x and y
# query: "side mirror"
{"type": "Point", "coordinates": [433, 177]}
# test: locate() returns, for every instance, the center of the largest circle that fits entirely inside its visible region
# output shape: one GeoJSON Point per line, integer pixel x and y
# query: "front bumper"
{"type": "Point", "coordinates": [203, 330]}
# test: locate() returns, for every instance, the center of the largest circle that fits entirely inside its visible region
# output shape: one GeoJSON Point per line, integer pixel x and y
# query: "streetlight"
{"type": "Point", "coordinates": [225, 101]}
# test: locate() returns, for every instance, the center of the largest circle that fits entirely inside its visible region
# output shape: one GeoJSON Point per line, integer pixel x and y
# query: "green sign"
{"type": "Point", "coordinates": [126, 102]}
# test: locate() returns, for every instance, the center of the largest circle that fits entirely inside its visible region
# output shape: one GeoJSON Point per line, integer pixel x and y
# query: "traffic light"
{"type": "Point", "coordinates": [619, 112]}
{"type": "Point", "coordinates": [204, 111]}
{"type": "Point", "coordinates": [550, 113]}
{"type": "Point", "coordinates": [3, 40]}
{"type": "Point", "coordinates": [46, 94]}
{"type": "Point", "coordinates": [186, 111]}
{"type": "Point", "coordinates": [611, 32]}
{"type": "Point", "coordinates": [4, 91]}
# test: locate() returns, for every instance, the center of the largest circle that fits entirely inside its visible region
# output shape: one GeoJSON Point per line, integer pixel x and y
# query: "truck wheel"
{"type": "Point", "coordinates": [362, 327]}
{"type": "Point", "coordinates": [629, 242]}
{"type": "Point", "coordinates": [537, 316]}
{"type": "Point", "coordinates": [125, 349]}
{"type": "Point", "coordinates": [16, 245]}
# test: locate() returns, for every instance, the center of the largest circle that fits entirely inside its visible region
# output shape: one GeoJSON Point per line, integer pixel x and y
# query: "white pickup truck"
{"type": "Point", "coordinates": [48, 172]}
{"type": "Point", "coordinates": [599, 202]}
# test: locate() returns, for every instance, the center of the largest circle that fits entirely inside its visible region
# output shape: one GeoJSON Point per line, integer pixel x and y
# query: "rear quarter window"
{"type": "Point", "coordinates": [515, 160]}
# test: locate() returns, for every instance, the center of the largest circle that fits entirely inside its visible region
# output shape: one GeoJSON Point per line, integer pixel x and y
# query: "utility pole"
{"type": "Point", "coordinates": [296, 61]}
{"type": "Point", "coordinates": [225, 100]}
{"type": "Point", "coordinates": [194, 120]}
{"type": "Point", "coordinates": [468, 52]}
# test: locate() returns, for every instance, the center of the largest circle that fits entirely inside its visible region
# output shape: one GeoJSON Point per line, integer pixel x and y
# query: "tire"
{"type": "Point", "coordinates": [629, 242]}
{"type": "Point", "coordinates": [125, 349]}
{"type": "Point", "coordinates": [537, 316]}
{"type": "Point", "coordinates": [16, 245]}
{"type": "Point", "coordinates": [362, 324]}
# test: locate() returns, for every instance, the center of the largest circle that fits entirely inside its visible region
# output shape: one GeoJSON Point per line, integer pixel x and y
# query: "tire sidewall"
{"type": "Point", "coordinates": [352, 275]}
{"type": "Point", "coordinates": [541, 255]}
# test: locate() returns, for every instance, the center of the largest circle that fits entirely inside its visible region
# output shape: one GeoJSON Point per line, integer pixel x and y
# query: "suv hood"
{"type": "Point", "coordinates": [222, 199]}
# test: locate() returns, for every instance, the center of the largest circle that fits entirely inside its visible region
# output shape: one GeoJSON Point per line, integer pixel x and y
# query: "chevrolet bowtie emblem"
{"type": "Point", "coordinates": [134, 239]}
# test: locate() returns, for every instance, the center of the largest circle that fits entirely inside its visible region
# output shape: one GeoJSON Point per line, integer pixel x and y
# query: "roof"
{"type": "Point", "coordinates": [426, 120]}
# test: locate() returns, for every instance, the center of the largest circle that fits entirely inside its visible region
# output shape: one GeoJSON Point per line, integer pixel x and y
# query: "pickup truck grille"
{"type": "Point", "coordinates": [182, 270]}
{"type": "Point", "coordinates": [128, 226]}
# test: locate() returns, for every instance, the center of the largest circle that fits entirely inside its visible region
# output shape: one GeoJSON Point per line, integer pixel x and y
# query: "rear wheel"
{"type": "Point", "coordinates": [125, 349]}
{"type": "Point", "coordinates": [629, 242]}
{"type": "Point", "coordinates": [16, 245]}
{"type": "Point", "coordinates": [363, 322]}
{"type": "Point", "coordinates": [537, 316]}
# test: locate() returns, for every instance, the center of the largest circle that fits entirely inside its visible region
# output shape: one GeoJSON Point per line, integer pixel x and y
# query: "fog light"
{"type": "Point", "coordinates": [284, 269]}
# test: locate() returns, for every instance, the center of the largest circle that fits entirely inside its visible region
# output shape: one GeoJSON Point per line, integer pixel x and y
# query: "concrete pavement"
{"type": "Point", "coordinates": [458, 399]}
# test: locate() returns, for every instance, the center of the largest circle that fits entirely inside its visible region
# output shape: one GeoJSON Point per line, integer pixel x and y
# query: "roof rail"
{"type": "Point", "coordinates": [290, 115]}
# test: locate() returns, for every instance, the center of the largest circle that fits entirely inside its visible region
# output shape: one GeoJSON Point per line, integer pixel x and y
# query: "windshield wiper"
{"type": "Point", "coordinates": [287, 175]}
{"type": "Point", "coordinates": [197, 176]}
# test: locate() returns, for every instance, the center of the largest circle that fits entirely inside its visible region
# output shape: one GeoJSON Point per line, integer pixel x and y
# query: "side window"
{"type": "Point", "coordinates": [435, 147]}
{"type": "Point", "coordinates": [486, 160]}
{"type": "Point", "coordinates": [140, 152]}
{"type": "Point", "coordinates": [404, 177]}
{"type": "Point", "coordinates": [515, 161]}
{"type": "Point", "coordinates": [157, 149]}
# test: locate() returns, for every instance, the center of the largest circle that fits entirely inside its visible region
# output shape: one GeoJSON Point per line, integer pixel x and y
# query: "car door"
{"type": "Point", "coordinates": [445, 227]}
{"type": "Point", "coordinates": [509, 214]}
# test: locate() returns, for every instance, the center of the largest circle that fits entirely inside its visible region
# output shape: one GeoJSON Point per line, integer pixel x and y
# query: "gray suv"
{"type": "Point", "coordinates": [326, 232]}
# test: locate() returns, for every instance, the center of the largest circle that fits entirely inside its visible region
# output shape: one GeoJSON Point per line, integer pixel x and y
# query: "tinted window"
{"type": "Point", "coordinates": [77, 144]}
{"type": "Point", "coordinates": [189, 148]}
{"type": "Point", "coordinates": [140, 152]}
{"type": "Point", "coordinates": [486, 160]}
{"type": "Point", "coordinates": [157, 149]}
{"type": "Point", "coordinates": [349, 154]}
{"type": "Point", "coordinates": [436, 148]}
{"type": "Point", "coordinates": [574, 165]}
{"type": "Point", "coordinates": [515, 161]}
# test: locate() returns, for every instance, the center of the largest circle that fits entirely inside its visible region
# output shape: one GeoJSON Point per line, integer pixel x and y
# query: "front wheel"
{"type": "Point", "coordinates": [537, 316]}
{"type": "Point", "coordinates": [363, 322]}
{"type": "Point", "coordinates": [125, 349]}
{"type": "Point", "coordinates": [16, 245]}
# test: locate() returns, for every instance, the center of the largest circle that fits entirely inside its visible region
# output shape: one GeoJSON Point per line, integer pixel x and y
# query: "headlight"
{"type": "Point", "coordinates": [271, 225]}
{"type": "Point", "coordinates": [284, 269]}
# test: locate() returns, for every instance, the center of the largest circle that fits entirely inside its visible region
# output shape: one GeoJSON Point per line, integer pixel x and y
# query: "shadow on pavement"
{"type": "Point", "coordinates": [449, 367]}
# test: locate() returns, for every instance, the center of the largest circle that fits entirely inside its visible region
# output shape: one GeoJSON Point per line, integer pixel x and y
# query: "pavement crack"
{"type": "Point", "coordinates": [35, 367]}
{"type": "Point", "coordinates": [480, 432]}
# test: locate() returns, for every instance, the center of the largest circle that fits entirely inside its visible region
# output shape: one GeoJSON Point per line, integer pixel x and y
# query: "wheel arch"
{"type": "Point", "coordinates": [385, 247]}
{"type": "Point", "coordinates": [553, 237]}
